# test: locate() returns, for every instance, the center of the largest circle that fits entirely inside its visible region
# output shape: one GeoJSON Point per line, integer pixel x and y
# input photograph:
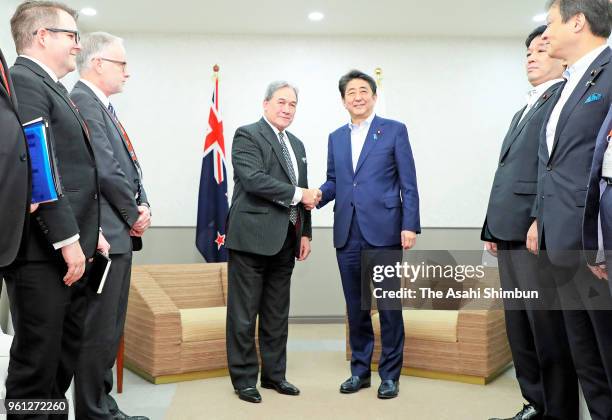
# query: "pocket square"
{"type": "Point", "coordinates": [594, 97]}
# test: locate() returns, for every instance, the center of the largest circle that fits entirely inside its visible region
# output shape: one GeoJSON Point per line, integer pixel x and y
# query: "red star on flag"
{"type": "Point", "coordinates": [220, 241]}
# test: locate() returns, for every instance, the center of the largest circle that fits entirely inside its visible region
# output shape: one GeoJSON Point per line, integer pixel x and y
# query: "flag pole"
{"type": "Point", "coordinates": [379, 77]}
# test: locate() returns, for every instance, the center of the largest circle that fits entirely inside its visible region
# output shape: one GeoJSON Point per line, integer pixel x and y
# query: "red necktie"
{"type": "Point", "coordinates": [5, 79]}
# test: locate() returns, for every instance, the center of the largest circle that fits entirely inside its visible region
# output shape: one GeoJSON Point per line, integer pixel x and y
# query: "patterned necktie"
{"type": "Point", "coordinates": [126, 139]}
{"type": "Point", "coordinates": [111, 109]}
{"type": "Point", "coordinates": [5, 80]}
{"type": "Point", "coordinates": [293, 211]}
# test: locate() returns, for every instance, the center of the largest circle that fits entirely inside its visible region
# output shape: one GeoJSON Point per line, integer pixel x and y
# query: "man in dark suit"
{"type": "Point", "coordinates": [598, 207]}
{"type": "Point", "coordinates": [577, 33]}
{"type": "Point", "coordinates": [268, 227]}
{"type": "Point", "coordinates": [371, 175]}
{"type": "Point", "coordinates": [124, 212]}
{"type": "Point", "coordinates": [47, 301]}
{"type": "Point", "coordinates": [14, 171]}
{"type": "Point", "coordinates": [537, 337]}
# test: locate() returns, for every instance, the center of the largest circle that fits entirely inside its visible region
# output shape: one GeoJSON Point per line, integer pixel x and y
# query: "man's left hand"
{"type": "Point", "coordinates": [304, 248]}
{"type": "Point", "coordinates": [144, 220]}
{"type": "Point", "coordinates": [599, 271]}
{"type": "Point", "coordinates": [408, 239]}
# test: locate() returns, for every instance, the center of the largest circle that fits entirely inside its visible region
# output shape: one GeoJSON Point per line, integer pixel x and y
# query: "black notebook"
{"type": "Point", "coordinates": [98, 272]}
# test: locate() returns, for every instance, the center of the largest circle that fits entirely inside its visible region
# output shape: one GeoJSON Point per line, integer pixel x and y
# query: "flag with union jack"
{"type": "Point", "coordinates": [212, 200]}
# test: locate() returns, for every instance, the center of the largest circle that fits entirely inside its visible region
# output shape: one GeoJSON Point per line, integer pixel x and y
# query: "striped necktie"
{"type": "Point", "coordinates": [293, 211]}
{"type": "Point", "coordinates": [5, 80]}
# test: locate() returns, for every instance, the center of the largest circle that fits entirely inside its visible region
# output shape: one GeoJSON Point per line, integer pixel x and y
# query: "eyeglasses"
{"type": "Point", "coordinates": [75, 34]}
{"type": "Point", "coordinates": [123, 64]}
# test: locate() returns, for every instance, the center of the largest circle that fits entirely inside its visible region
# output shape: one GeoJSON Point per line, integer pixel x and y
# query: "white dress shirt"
{"type": "Point", "coordinates": [359, 132]}
{"type": "Point", "coordinates": [573, 75]}
{"type": "Point", "coordinates": [536, 93]}
{"type": "Point", "coordinates": [52, 75]}
{"type": "Point", "coordinates": [297, 195]}
{"type": "Point", "coordinates": [47, 70]}
{"type": "Point", "coordinates": [96, 90]}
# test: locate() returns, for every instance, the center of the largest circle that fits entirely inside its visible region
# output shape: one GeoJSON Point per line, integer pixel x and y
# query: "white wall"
{"type": "Point", "coordinates": [456, 96]}
{"type": "Point", "coordinates": [7, 8]}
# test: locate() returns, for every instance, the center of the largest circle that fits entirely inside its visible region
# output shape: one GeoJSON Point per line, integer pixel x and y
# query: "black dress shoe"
{"type": "Point", "coordinates": [388, 389]}
{"type": "Point", "coordinates": [282, 387]}
{"type": "Point", "coordinates": [527, 413]}
{"type": "Point", "coordinates": [354, 384]}
{"type": "Point", "coordinates": [250, 394]}
{"type": "Point", "coordinates": [120, 415]}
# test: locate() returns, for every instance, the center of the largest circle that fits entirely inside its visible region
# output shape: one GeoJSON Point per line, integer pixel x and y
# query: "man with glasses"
{"type": "Point", "coordinates": [125, 216]}
{"type": "Point", "coordinates": [48, 302]}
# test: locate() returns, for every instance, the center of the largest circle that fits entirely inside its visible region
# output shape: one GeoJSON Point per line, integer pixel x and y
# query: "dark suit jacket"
{"type": "Point", "coordinates": [590, 235]}
{"type": "Point", "coordinates": [118, 175]}
{"type": "Point", "coordinates": [77, 210]}
{"type": "Point", "coordinates": [14, 174]}
{"type": "Point", "coordinates": [563, 176]}
{"type": "Point", "coordinates": [513, 194]}
{"type": "Point", "coordinates": [382, 190]}
{"type": "Point", "coordinates": [259, 213]}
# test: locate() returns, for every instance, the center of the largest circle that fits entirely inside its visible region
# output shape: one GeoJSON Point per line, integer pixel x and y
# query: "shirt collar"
{"type": "Point", "coordinates": [42, 65]}
{"type": "Point", "coordinates": [580, 67]}
{"type": "Point", "coordinates": [534, 94]}
{"type": "Point", "coordinates": [276, 131]}
{"type": "Point", "coordinates": [364, 124]}
{"type": "Point", "coordinates": [96, 90]}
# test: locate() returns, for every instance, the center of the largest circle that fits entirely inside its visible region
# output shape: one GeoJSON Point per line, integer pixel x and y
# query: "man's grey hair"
{"type": "Point", "coordinates": [276, 85]}
{"type": "Point", "coordinates": [93, 45]}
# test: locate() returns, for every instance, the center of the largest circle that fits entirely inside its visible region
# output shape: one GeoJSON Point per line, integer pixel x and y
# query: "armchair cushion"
{"type": "Point", "coordinates": [203, 324]}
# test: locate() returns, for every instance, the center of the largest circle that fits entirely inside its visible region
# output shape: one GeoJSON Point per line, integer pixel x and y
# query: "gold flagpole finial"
{"type": "Point", "coordinates": [215, 72]}
{"type": "Point", "coordinates": [379, 77]}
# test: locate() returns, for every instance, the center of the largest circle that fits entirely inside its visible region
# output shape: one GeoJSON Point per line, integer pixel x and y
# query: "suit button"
{"type": "Point", "coordinates": [23, 157]}
{"type": "Point", "coordinates": [542, 197]}
{"type": "Point", "coordinates": [355, 184]}
{"type": "Point", "coordinates": [502, 164]}
{"type": "Point", "coordinates": [95, 196]}
{"type": "Point", "coordinates": [549, 168]}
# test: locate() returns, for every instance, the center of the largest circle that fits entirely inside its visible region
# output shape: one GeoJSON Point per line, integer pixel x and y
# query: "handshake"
{"type": "Point", "coordinates": [311, 197]}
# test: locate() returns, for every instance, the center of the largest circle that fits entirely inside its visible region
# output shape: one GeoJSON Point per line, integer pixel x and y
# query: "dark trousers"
{"type": "Point", "coordinates": [48, 320]}
{"type": "Point", "coordinates": [537, 336]}
{"type": "Point", "coordinates": [258, 287]}
{"type": "Point", "coordinates": [588, 322]}
{"type": "Point", "coordinates": [102, 331]}
{"type": "Point", "coordinates": [361, 334]}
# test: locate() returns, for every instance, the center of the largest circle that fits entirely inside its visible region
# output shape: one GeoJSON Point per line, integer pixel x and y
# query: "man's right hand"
{"type": "Point", "coordinates": [311, 197]}
{"type": "Point", "coordinates": [532, 238]}
{"type": "Point", "coordinates": [491, 248]}
{"type": "Point", "coordinates": [75, 260]}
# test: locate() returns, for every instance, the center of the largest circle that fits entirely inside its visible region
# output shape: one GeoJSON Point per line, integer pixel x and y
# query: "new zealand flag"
{"type": "Point", "coordinates": [212, 201]}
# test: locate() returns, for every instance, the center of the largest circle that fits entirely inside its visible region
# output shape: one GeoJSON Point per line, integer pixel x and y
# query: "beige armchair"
{"type": "Point", "coordinates": [466, 345]}
{"type": "Point", "coordinates": [175, 326]}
